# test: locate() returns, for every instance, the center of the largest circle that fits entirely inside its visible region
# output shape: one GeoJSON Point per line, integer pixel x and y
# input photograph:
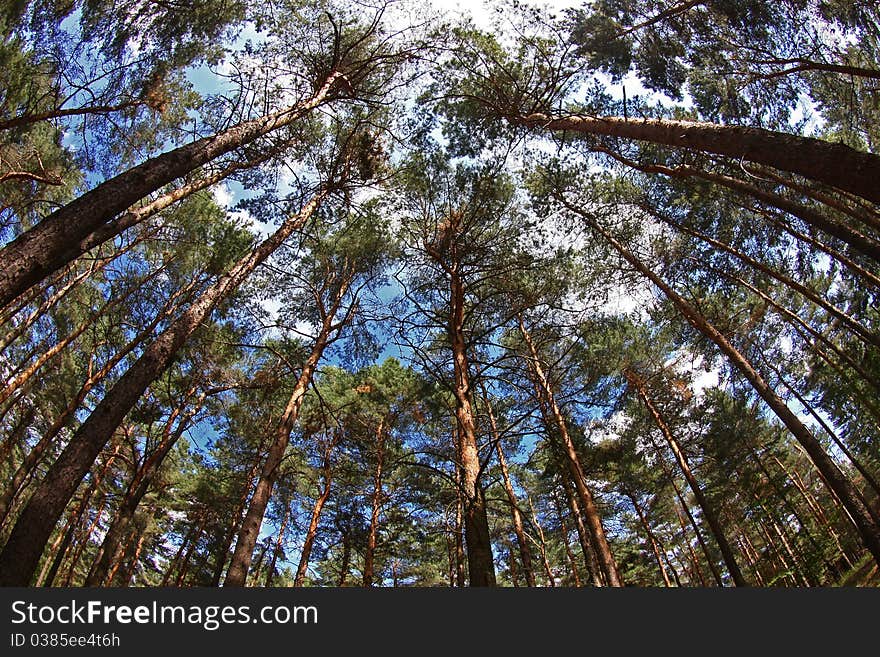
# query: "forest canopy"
{"type": "Point", "coordinates": [321, 293]}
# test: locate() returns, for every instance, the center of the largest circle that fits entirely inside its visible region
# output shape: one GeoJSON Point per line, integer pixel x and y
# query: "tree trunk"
{"type": "Point", "coordinates": [346, 560]}
{"type": "Point", "coordinates": [312, 531]}
{"type": "Point", "coordinates": [516, 516]}
{"type": "Point", "coordinates": [126, 574]}
{"type": "Point", "coordinates": [866, 519]}
{"type": "Point", "coordinates": [575, 575]}
{"type": "Point", "coordinates": [638, 383]}
{"type": "Point", "coordinates": [836, 165]}
{"type": "Point", "coordinates": [20, 556]}
{"type": "Point", "coordinates": [60, 237]}
{"type": "Point", "coordinates": [17, 381]}
{"type": "Point", "coordinates": [459, 527]}
{"type": "Point", "coordinates": [39, 450]}
{"type": "Point", "coordinates": [481, 567]}
{"type": "Point", "coordinates": [655, 546]}
{"type": "Point", "coordinates": [376, 504]}
{"type": "Point", "coordinates": [857, 240]}
{"type": "Point", "coordinates": [710, 561]}
{"type": "Point", "coordinates": [597, 532]}
{"type": "Point", "coordinates": [866, 335]}
{"type": "Point", "coordinates": [74, 520]}
{"type": "Point", "coordinates": [542, 546]}
{"type": "Point", "coordinates": [253, 519]}
{"type": "Point", "coordinates": [232, 530]}
{"type": "Point", "coordinates": [279, 542]}
{"type": "Point", "coordinates": [590, 560]}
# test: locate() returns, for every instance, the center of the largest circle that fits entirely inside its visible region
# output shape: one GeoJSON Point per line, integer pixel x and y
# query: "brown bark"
{"type": "Point", "coordinates": [59, 237]}
{"type": "Point", "coordinates": [515, 514]}
{"type": "Point", "coordinates": [253, 519]}
{"type": "Point", "coordinates": [376, 506]}
{"type": "Point", "coordinates": [237, 517]}
{"type": "Point", "coordinates": [569, 553]}
{"type": "Point", "coordinates": [802, 327]}
{"type": "Point", "coordinates": [57, 113]}
{"type": "Point", "coordinates": [857, 463]}
{"type": "Point", "coordinates": [178, 556]}
{"type": "Point", "coordinates": [598, 538]}
{"type": "Point", "coordinates": [684, 508]}
{"type": "Point", "coordinates": [39, 450]}
{"type": "Point", "coordinates": [481, 567]}
{"type": "Point", "coordinates": [789, 506]}
{"type": "Point", "coordinates": [866, 519]}
{"type": "Point", "coordinates": [53, 299]}
{"type": "Point", "coordinates": [74, 521]}
{"type": "Point", "coordinates": [84, 540]}
{"type": "Point", "coordinates": [695, 573]}
{"type": "Point", "coordinates": [836, 165]}
{"type": "Point", "coordinates": [346, 560]}
{"type": "Point", "coordinates": [865, 334]}
{"type": "Point", "coordinates": [542, 546]}
{"type": "Point", "coordinates": [20, 556]}
{"type": "Point", "coordinates": [187, 555]}
{"type": "Point", "coordinates": [279, 541]}
{"type": "Point", "coordinates": [800, 65]}
{"type": "Point", "coordinates": [590, 560]}
{"type": "Point", "coordinates": [815, 509]}
{"type": "Point", "coordinates": [752, 557]}
{"type": "Point", "coordinates": [459, 529]}
{"type": "Point", "coordinates": [867, 276]}
{"type": "Point", "coordinates": [655, 545]}
{"type": "Point", "coordinates": [862, 243]}
{"type": "Point", "coordinates": [125, 575]}
{"type": "Point", "coordinates": [639, 384]}
{"type": "Point", "coordinates": [312, 531]}
{"type": "Point", "coordinates": [17, 381]}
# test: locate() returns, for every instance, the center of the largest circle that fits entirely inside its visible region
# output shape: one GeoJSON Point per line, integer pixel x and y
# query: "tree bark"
{"type": "Point", "coordinates": [862, 243]}
{"type": "Point", "coordinates": [39, 450]}
{"type": "Point", "coordinates": [312, 531]}
{"type": "Point", "coordinates": [836, 165]}
{"type": "Point", "coordinates": [279, 541]}
{"type": "Point", "coordinates": [516, 517]}
{"type": "Point", "coordinates": [638, 383]}
{"type": "Point", "coordinates": [594, 521]}
{"type": "Point", "coordinates": [109, 552]}
{"type": "Point", "coordinates": [710, 561]}
{"type": "Point", "coordinates": [655, 546]}
{"type": "Point", "coordinates": [376, 506]}
{"type": "Point", "coordinates": [481, 566]}
{"type": "Point", "coordinates": [253, 519]}
{"type": "Point", "coordinates": [563, 529]}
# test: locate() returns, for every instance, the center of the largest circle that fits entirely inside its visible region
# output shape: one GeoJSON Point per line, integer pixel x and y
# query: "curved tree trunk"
{"type": "Point", "coordinates": [111, 547]}
{"type": "Point", "coordinates": [836, 165]}
{"type": "Point", "coordinates": [20, 556]}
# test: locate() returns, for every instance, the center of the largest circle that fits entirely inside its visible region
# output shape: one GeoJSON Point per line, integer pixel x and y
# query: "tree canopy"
{"type": "Point", "coordinates": [371, 294]}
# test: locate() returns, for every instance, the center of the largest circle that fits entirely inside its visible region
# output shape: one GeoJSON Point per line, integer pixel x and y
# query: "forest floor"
{"type": "Point", "coordinates": [864, 573]}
